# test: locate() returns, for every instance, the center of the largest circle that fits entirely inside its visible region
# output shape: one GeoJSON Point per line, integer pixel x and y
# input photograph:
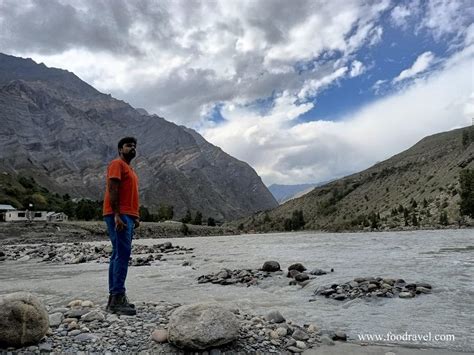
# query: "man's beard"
{"type": "Point", "coordinates": [130, 155]}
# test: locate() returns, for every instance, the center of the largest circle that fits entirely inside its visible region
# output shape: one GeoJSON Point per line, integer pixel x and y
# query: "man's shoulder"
{"type": "Point", "coordinates": [116, 161]}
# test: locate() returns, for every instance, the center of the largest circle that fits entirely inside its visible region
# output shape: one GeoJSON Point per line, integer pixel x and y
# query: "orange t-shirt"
{"type": "Point", "coordinates": [128, 188]}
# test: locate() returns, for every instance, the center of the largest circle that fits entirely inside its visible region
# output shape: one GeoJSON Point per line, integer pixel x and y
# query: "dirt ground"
{"type": "Point", "coordinates": [69, 232]}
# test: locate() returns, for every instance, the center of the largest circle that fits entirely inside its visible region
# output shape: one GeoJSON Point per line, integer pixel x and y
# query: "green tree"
{"type": "Point", "coordinates": [466, 138]}
{"type": "Point", "coordinates": [414, 220]}
{"type": "Point", "coordinates": [466, 181]}
{"type": "Point", "coordinates": [374, 219]}
{"type": "Point", "coordinates": [69, 209]}
{"type": "Point", "coordinates": [198, 218]}
{"type": "Point", "coordinates": [145, 214]}
{"type": "Point", "coordinates": [443, 218]}
{"type": "Point", "coordinates": [211, 222]}
{"type": "Point", "coordinates": [266, 218]}
{"type": "Point", "coordinates": [166, 212]}
{"type": "Point", "coordinates": [187, 217]}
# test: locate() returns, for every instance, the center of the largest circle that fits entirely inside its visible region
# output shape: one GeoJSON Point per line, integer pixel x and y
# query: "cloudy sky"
{"type": "Point", "coordinates": [304, 91]}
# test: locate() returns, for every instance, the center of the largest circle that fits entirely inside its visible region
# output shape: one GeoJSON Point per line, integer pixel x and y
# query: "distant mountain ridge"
{"type": "Point", "coordinates": [63, 132]}
{"type": "Point", "coordinates": [283, 193]}
{"type": "Point", "coordinates": [419, 187]}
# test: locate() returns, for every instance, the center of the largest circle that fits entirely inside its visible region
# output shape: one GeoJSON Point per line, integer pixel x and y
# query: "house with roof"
{"type": "Point", "coordinates": [4, 209]}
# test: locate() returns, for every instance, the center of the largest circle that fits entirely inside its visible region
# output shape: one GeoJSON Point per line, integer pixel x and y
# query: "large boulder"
{"type": "Point", "coordinates": [23, 319]}
{"type": "Point", "coordinates": [271, 266]}
{"type": "Point", "coordinates": [201, 326]}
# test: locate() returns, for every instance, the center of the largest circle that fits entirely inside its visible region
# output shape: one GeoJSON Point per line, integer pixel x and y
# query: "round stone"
{"type": "Point", "coordinates": [160, 335]}
{"type": "Point", "coordinates": [23, 319]}
{"type": "Point", "coordinates": [201, 326]}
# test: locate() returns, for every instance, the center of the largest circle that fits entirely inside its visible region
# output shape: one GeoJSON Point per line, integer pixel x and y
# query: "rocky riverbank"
{"type": "Point", "coordinates": [81, 231]}
{"type": "Point", "coordinates": [82, 326]}
{"type": "Point", "coordinates": [251, 277]}
{"type": "Point", "coordinates": [366, 287]}
{"type": "Point", "coordinates": [77, 253]}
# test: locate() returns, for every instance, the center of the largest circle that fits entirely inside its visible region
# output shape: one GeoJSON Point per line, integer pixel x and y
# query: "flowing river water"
{"type": "Point", "coordinates": [443, 258]}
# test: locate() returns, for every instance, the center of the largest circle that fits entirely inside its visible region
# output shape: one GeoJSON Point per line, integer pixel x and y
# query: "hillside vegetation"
{"type": "Point", "coordinates": [425, 186]}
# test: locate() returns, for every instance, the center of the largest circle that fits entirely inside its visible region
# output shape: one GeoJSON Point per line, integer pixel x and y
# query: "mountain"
{"type": "Point", "coordinates": [419, 187]}
{"type": "Point", "coordinates": [63, 132]}
{"type": "Point", "coordinates": [283, 193]}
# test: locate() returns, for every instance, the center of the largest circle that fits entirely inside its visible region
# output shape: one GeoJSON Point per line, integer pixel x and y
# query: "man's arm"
{"type": "Point", "coordinates": [114, 185]}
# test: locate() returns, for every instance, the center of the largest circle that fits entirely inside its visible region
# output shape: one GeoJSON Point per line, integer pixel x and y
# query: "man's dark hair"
{"type": "Point", "coordinates": [126, 140]}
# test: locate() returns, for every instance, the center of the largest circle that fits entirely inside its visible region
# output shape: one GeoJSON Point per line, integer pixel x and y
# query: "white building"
{"type": "Point", "coordinates": [14, 216]}
{"type": "Point", "coordinates": [4, 209]}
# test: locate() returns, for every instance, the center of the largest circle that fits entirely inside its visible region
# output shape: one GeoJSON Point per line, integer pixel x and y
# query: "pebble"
{"type": "Point", "coordinates": [275, 317]}
{"type": "Point", "coordinates": [160, 335]}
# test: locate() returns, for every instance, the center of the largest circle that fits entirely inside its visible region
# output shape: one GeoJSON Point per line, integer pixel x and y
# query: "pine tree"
{"type": "Point", "coordinates": [187, 217]}
{"type": "Point", "coordinates": [466, 181]}
{"type": "Point", "coordinates": [198, 218]}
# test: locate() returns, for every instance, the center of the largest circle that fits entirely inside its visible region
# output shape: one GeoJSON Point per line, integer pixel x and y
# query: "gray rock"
{"type": "Point", "coordinates": [301, 345]}
{"type": "Point", "coordinates": [293, 273]}
{"type": "Point", "coordinates": [77, 312]}
{"type": "Point", "coordinates": [298, 334]}
{"type": "Point", "coordinates": [45, 347]}
{"type": "Point", "coordinates": [271, 266]}
{"type": "Point", "coordinates": [298, 267]}
{"type": "Point", "coordinates": [55, 319]}
{"type": "Point", "coordinates": [275, 317]}
{"type": "Point", "coordinates": [302, 277]}
{"type": "Point", "coordinates": [339, 335]}
{"type": "Point", "coordinates": [202, 326]}
{"type": "Point", "coordinates": [86, 337]}
{"type": "Point", "coordinates": [326, 340]}
{"type": "Point", "coordinates": [318, 272]}
{"type": "Point", "coordinates": [23, 319]}
{"type": "Point", "coordinates": [406, 295]}
{"type": "Point", "coordinates": [294, 349]}
{"type": "Point", "coordinates": [93, 315]}
{"type": "Point", "coordinates": [423, 284]}
{"type": "Point", "coordinates": [422, 289]}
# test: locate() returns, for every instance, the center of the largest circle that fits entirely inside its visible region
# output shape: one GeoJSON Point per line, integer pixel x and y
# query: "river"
{"type": "Point", "coordinates": [443, 258]}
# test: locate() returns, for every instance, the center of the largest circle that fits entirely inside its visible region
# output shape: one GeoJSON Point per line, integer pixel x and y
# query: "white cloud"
{"type": "Point", "coordinates": [421, 64]}
{"type": "Point", "coordinates": [311, 87]}
{"type": "Point", "coordinates": [400, 15]}
{"type": "Point", "coordinates": [357, 68]}
{"type": "Point", "coordinates": [180, 58]}
{"type": "Point", "coordinates": [285, 151]}
{"type": "Point", "coordinates": [447, 16]}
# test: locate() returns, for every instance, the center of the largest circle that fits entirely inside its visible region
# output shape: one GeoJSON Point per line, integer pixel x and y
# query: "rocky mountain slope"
{"type": "Point", "coordinates": [63, 132]}
{"type": "Point", "coordinates": [419, 187]}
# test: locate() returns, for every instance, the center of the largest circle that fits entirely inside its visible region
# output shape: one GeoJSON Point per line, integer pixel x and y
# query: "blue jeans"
{"type": "Point", "coordinates": [121, 250]}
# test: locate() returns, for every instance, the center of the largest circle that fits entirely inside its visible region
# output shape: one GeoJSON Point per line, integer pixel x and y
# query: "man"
{"type": "Point", "coordinates": [121, 216]}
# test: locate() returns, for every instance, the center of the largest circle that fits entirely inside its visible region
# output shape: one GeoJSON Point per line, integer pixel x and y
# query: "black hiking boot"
{"type": "Point", "coordinates": [107, 308]}
{"type": "Point", "coordinates": [119, 305]}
